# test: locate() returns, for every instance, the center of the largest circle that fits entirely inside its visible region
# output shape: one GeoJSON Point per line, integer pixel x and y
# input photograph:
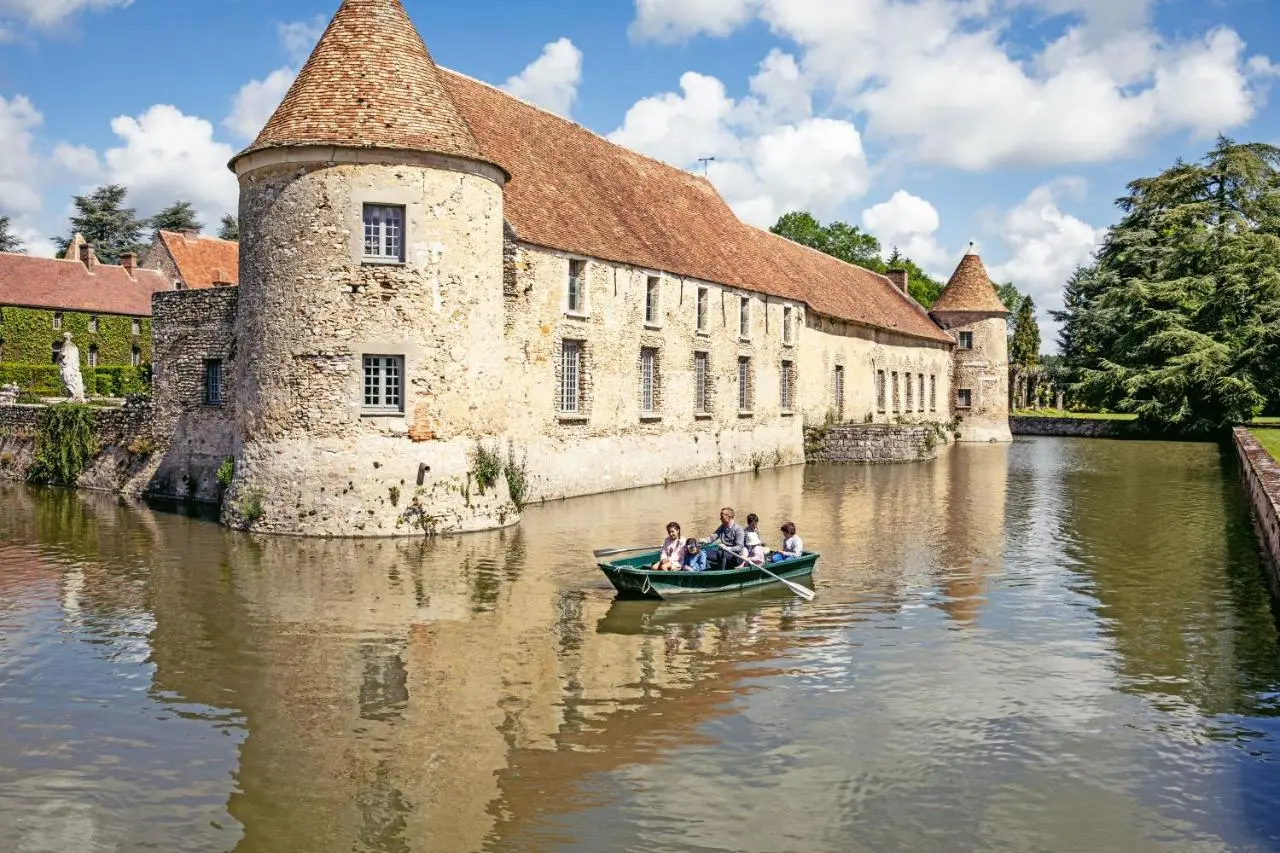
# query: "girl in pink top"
{"type": "Point", "coordinates": [672, 550]}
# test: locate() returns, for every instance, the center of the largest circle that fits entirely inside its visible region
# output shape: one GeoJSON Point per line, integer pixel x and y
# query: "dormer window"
{"type": "Point", "coordinates": [384, 233]}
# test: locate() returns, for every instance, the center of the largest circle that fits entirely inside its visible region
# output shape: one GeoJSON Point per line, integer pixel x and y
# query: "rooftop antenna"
{"type": "Point", "coordinates": [706, 164]}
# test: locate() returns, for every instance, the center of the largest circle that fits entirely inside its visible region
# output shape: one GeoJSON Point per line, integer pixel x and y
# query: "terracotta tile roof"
{"type": "Point", "coordinates": [370, 82]}
{"type": "Point", "coordinates": [970, 289]}
{"type": "Point", "coordinates": [68, 285]}
{"type": "Point", "coordinates": [577, 192]}
{"type": "Point", "coordinates": [202, 261]}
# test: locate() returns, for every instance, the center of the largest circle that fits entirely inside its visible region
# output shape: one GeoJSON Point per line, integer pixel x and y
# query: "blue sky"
{"type": "Point", "coordinates": [1014, 123]}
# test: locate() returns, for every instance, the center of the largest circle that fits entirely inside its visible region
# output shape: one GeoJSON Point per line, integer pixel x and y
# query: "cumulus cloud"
{"type": "Point", "coordinates": [771, 154]}
{"type": "Point", "coordinates": [944, 82]}
{"type": "Point", "coordinates": [550, 81]}
{"type": "Point", "coordinates": [19, 190]}
{"type": "Point", "coordinates": [78, 162]}
{"type": "Point", "coordinates": [46, 13]}
{"type": "Point", "coordinates": [165, 156]}
{"type": "Point", "coordinates": [910, 224]}
{"type": "Point", "coordinates": [298, 38]}
{"type": "Point", "coordinates": [254, 103]}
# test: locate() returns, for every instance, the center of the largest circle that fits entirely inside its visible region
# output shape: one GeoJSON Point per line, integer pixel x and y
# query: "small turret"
{"type": "Point", "coordinates": [972, 312]}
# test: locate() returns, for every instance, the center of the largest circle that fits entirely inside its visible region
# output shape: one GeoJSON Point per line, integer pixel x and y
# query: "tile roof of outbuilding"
{"type": "Point", "coordinates": [66, 285]}
{"type": "Point", "coordinates": [202, 261]}
{"type": "Point", "coordinates": [577, 192]}
{"type": "Point", "coordinates": [370, 82]}
{"type": "Point", "coordinates": [970, 289]}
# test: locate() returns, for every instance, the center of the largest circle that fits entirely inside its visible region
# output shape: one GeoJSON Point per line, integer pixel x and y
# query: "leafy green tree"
{"type": "Point", "coordinates": [1024, 349]}
{"type": "Point", "coordinates": [1178, 320]}
{"type": "Point", "coordinates": [923, 287]}
{"type": "Point", "coordinates": [179, 216]}
{"type": "Point", "coordinates": [838, 239]}
{"type": "Point", "coordinates": [229, 228]}
{"type": "Point", "coordinates": [110, 227]}
{"type": "Point", "coordinates": [9, 242]}
{"type": "Point", "coordinates": [1010, 296]}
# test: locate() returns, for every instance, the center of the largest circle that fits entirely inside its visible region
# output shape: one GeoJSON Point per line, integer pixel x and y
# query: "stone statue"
{"type": "Point", "coordinates": [69, 362]}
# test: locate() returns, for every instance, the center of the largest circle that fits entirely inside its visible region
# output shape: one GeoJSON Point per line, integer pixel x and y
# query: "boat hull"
{"type": "Point", "coordinates": [633, 579]}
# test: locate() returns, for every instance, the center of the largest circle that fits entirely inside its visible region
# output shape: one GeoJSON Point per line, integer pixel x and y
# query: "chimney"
{"type": "Point", "coordinates": [87, 257]}
{"type": "Point", "coordinates": [899, 279]}
{"type": "Point", "coordinates": [129, 261]}
{"type": "Point", "coordinates": [190, 234]}
{"type": "Point", "coordinates": [220, 278]}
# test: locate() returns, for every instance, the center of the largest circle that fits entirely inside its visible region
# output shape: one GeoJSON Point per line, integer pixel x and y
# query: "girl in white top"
{"type": "Point", "coordinates": [672, 550]}
{"type": "Point", "coordinates": [792, 546]}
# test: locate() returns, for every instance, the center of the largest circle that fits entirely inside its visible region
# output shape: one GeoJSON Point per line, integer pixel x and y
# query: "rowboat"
{"type": "Point", "coordinates": [633, 578]}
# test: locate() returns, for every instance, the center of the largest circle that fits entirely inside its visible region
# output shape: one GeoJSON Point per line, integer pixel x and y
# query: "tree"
{"type": "Point", "coordinates": [923, 287]}
{"type": "Point", "coordinates": [10, 242]}
{"type": "Point", "coordinates": [1024, 350]}
{"type": "Point", "coordinates": [179, 216]}
{"type": "Point", "coordinates": [1010, 296]}
{"type": "Point", "coordinates": [1178, 320]}
{"type": "Point", "coordinates": [838, 239]}
{"type": "Point", "coordinates": [107, 225]}
{"type": "Point", "coordinates": [229, 229]}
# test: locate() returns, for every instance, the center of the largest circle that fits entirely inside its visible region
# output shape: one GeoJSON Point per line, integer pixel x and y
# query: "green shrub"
{"type": "Point", "coordinates": [46, 380]}
{"type": "Point", "coordinates": [66, 441]}
{"type": "Point", "coordinates": [517, 477]}
{"type": "Point", "coordinates": [39, 379]}
{"type": "Point", "coordinates": [488, 467]}
{"type": "Point", "coordinates": [226, 472]}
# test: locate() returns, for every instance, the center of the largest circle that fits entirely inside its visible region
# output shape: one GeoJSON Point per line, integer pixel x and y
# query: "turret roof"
{"type": "Point", "coordinates": [370, 83]}
{"type": "Point", "coordinates": [970, 289]}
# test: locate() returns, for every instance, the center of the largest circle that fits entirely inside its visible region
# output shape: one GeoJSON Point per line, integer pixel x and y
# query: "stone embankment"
{"type": "Point", "coordinates": [873, 443]}
{"type": "Point", "coordinates": [1262, 479]}
{"type": "Point", "coordinates": [1070, 427]}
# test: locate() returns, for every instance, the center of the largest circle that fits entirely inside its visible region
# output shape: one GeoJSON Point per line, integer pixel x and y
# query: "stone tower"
{"type": "Point", "coordinates": [974, 315]}
{"type": "Point", "coordinates": [369, 330]}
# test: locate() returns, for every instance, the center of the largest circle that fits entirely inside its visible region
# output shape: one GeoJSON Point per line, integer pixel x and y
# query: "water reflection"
{"type": "Point", "coordinates": [1051, 646]}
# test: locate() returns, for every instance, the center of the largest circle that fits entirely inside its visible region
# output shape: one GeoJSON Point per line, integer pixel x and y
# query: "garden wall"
{"type": "Point", "coordinates": [1262, 479]}
{"type": "Point", "coordinates": [124, 462]}
{"type": "Point", "coordinates": [873, 443]}
{"type": "Point", "coordinates": [1070, 427]}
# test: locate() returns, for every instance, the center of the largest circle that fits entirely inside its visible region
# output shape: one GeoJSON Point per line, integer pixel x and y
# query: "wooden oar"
{"type": "Point", "coordinates": [804, 592]}
{"type": "Point", "coordinates": [609, 552]}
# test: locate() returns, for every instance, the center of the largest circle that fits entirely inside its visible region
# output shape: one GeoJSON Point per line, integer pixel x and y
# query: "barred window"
{"type": "Point", "coordinates": [701, 378]}
{"type": "Point", "coordinates": [880, 391]}
{"type": "Point", "coordinates": [213, 382]}
{"type": "Point", "coordinates": [786, 324]}
{"type": "Point", "coordinates": [384, 384]}
{"type": "Point", "coordinates": [648, 380]}
{"type": "Point", "coordinates": [896, 398]}
{"type": "Point", "coordinates": [571, 376]}
{"type": "Point", "coordinates": [911, 403]}
{"type": "Point", "coordinates": [933, 393]}
{"type": "Point", "coordinates": [576, 302]}
{"type": "Point", "coordinates": [785, 382]}
{"type": "Point", "coordinates": [652, 289]}
{"type": "Point", "coordinates": [57, 320]}
{"type": "Point", "coordinates": [920, 399]}
{"type": "Point", "coordinates": [93, 355]}
{"type": "Point", "coordinates": [744, 317]}
{"type": "Point", "coordinates": [840, 391]}
{"type": "Point", "coordinates": [964, 398]}
{"type": "Point", "coordinates": [384, 232]}
{"type": "Point", "coordinates": [136, 357]}
{"type": "Point", "coordinates": [744, 384]}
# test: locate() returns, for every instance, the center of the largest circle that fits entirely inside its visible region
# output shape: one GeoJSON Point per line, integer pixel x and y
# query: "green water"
{"type": "Point", "coordinates": [1060, 645]}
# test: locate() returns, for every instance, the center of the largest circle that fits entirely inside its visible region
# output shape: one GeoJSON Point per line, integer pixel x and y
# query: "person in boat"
{"type": "Point", "coordinates": [695, 559]}
{"type": "Point", "coordinates": [751, 539]}
{"type": "Point", "coordinates": [792, 545]}
{"type": "Point", "coordinates": [731, 539]}
{"type": "Point", "coordinates": [672, 556]}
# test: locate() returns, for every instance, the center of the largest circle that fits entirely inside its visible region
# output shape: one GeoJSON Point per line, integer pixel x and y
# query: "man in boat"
{"type": "Point", "coordinates": [732, 540]}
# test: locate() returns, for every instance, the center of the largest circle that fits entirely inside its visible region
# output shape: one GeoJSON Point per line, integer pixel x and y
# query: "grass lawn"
{"type": "Point", "coordinates": [1058, 413]}
{"type": "Point", "coordinates": [1270, 439]}
{"type": "Point", "coordinates": [1268, 421]}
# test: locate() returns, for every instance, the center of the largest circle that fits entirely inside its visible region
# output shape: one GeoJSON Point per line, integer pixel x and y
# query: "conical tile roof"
{"type": "Point", "coordinates": [970, 289]}
{"type": "Point", "coordinates": [370, 83]}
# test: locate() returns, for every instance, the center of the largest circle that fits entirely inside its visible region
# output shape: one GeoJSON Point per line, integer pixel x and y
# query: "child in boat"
{"type": "Point", "coordinates": [792, 546]}
{"type": "Point", "coordinates": [755, 545]}
{"type": "Point", "coordinates": [695, 559]}
{"type": "Point", "coordinates": [672, 556]}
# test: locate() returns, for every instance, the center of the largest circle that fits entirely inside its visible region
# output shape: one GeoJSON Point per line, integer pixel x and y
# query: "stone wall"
{"type": "Point", "coordinates": [125, 461]}
{"type": "Point", "coordinates": [874, 443]}
{"type": "Point", "coordinates": [983, 371]}
{"type": "Point", "coordinates": [1069, 427]}
{"type": "Point", "coordinates": [1262, 479]}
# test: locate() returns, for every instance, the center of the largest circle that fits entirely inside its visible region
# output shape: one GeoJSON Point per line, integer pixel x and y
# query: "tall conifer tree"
{"type": "Point", "coordinates": [9, 242]}
{"type": "Point", "coordinates": [107, 225]}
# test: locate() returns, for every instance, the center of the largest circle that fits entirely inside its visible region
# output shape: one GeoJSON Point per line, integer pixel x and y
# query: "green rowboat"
{"type": "Point", "coordinates": [633, 578]}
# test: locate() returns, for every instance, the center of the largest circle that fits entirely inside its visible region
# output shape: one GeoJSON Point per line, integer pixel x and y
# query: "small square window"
{"type": "Point", "coordinates": [964, 398]}
{"type": "Point", "coordinates": [576, 302]}
{"type": "Point", "coordinates": [213, 382]}
{"type": "Point", "coordinates": [704, 296]}
{"type": "Point", "coordinates": [966, 340]}
{"type": "Point", "coordinates": [57, 320]}
{"type": "Point", "coordinates": [384, 233]}
{"type": "Point", "coordinates": [652, 290]}
{"type": "Point", "coordinates": [744, 317]}
{"type": "Point", "coordinates": [383, 384]}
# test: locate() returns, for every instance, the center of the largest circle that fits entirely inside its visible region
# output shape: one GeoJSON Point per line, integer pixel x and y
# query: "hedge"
{"type": "Point", "coordinates": [45, 379]}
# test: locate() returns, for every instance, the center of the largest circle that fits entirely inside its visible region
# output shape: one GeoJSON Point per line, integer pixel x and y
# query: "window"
{"type": "Point", "coordinates": [896, 398]}
{"type": "Point", "coordinates": [93, 355]}
{"type": "Point", "coordinates": [744, 384]}
{"type": "Point", "coordinates": [93, 325]}
{"type": "Point", "coordinates": [933, 393]}
{"type": "Point", "coordinates": [648, 381]}
{"type": "Point", "coordinates": [964, 398]}
{"type": "Point", "coordinates": [966, 340]}
{"type": "Point", "coordinates": [576, 303]}
{"type": "Point", "coordinates": [840, 391]}
{"type": "Point", "coordinates": [136, 328]}
{"type": "Point", "coordinates": [880, 391]}
{"type": "Point", "coordinates": [135, 357]}
{"type": "Point", "coordinates": [786, 324]}
{"type": "Point", "coordinates": [651, 291]}
{"type": "Point", "coordinates": [384, 233]}
{"type": "Point", "coordinates": [785, 381]}
{"type": "Point", "coordinates": [213, 382]}
{"type": "Point", "coordinates": [571, 377]}
{"type": "Point", "coordinates": [908, 380]}
{"type": "Point", "coordinates": [744, 317]}
{"type": "Point", "coordinates": [384, 384]}
{"type": "Point", "coordinates": [703, 298]}
{"type": "Point", "coordinates": [57, 352]}
{"type": "Point", "coordinates": [701, 382]}
{"type": "Point", "coordinates": [57, 320]}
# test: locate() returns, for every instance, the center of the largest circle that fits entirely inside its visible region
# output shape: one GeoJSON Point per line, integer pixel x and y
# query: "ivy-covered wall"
{"type": "Point", "coordinates": [27, 336]}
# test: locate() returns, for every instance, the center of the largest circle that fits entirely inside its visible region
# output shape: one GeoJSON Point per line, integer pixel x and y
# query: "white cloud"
{"type": "Point", "coordinates": [298, 38]}
{"type": "Point", "coordinates": [19, 190]}
{"type": "Point", "coordinates": [944, 82]}
{"type": "Point", "coordinates": [550, 81]}
{"type": "Point", "coordinates": [910, 224]}
{"type": "Point", "coordinates": [256, 101]}
{"type": "Point", "coordinates": [167, 156]}
{"type": "Point", "coordinates": [46, 13]}
{"type": "Point", "coordinates": [771, 154]}
{"type": "Point", "coordinates": [77, 162]}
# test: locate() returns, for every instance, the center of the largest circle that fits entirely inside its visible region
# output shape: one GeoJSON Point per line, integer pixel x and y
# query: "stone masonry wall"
{"type": "Point", "coordinates": [873, 443]}
{"type": "Point", "coordinates": [1262, 479]}
{"type": "Point", "coordinates": [124, 463]}
{"type": "Point", "coordinates": [984, 372]}
{"type": "Point", "coordinates": [1068, 427]}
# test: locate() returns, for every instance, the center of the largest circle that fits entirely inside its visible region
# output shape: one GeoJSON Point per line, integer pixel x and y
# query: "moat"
{"type": "Point", "coordinates": [1061, 644]}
